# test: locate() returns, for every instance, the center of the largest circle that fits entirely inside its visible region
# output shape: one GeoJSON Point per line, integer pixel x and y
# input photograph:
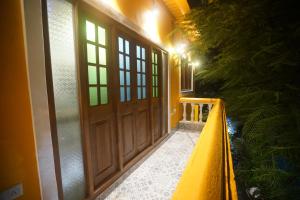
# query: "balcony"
{"type": "Point", "coordinates": [168, 173]}
{"type": "Point", "coordinates": [94, 109]}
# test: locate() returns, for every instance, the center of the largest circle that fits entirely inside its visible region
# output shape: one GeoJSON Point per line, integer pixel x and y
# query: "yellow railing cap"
{"type": "Point", "coordinates": [197, 100]}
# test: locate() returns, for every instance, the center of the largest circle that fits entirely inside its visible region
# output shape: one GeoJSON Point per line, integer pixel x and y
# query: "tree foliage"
{"type": "Point", "coordinates": [253, 50]}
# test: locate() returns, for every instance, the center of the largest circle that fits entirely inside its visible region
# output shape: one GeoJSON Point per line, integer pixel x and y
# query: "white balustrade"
{"type": "Point", "coordinates": [200, 112]}
{"type": "Point", "coordinates": [184, 112]}
{"type": "Point", "coordinates": [193, 113]}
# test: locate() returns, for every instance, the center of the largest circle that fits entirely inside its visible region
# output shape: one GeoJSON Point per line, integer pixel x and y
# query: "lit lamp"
{"type": "Point", "coordinates": [196, 64]}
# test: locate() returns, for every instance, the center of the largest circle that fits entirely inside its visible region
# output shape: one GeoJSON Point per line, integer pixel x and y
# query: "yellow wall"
{"type": "Point", "coordinates": [135, 10]}
{"type": "Point", "coordinates": [17, 146]}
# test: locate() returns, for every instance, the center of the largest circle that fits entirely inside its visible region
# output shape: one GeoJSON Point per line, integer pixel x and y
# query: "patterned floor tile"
{"type": "Point", "coordinates": [155, 177]}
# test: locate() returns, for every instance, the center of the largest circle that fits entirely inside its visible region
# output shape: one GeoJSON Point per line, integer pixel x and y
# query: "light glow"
{"type": "Point", "coordinates": [196, 63]}
{"type": "Point", "coordinates": [112, 4]}
{"type": "Point", "coordinates": [171, 50]}
{"type": "Point", "coordinates": [150, 24]}
{"type": "Point", "coordinates": [180, 49]}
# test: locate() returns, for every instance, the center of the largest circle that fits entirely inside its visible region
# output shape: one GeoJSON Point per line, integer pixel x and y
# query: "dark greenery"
{"type": "Point", "coordinates": [252, 51]}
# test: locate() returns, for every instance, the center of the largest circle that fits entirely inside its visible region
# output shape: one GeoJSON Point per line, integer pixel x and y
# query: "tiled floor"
{"type": "Point", "coordinates": [156, 177]}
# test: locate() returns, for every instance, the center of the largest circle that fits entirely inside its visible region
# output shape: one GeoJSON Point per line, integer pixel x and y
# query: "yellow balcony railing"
{"type": "Point", "coordinates": [209, 173]}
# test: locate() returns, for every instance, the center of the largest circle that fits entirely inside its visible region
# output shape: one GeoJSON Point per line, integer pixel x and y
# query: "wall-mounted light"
{"type": "Point", "coordinates": [180, 49]}
{"type": "Point", "coordinates": [196, 63]}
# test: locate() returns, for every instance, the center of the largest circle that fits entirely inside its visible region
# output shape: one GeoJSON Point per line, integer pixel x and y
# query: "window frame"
{"type": "Point", "coordinates": [190, 89]}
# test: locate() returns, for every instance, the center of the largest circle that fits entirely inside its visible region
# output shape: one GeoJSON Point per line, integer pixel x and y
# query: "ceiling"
{"type": "Point", "coordinates": [177, 7]}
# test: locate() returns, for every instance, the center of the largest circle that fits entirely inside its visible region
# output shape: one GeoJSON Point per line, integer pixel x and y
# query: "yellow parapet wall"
{"type": "Point", "coordinates": [209, 173]}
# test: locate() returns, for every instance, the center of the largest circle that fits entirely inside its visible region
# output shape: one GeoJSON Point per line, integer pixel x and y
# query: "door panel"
{"type": "Point", "coordinates": [157, 122]}
{"type": "Point", "coordinates": [128, 136]}
{"type": "Point", "coordinates": [142, 130]}
{"type": "Point", "coordinates": [104, 147]}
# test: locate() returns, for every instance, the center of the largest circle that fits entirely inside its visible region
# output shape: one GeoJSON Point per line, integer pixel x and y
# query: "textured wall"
{"type": "Point", "coordinates": [17, 146]}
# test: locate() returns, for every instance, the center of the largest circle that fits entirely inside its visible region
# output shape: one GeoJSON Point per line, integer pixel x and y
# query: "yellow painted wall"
{"type": "Point", "coordinates": [17, 146]}
{"type": "Point", "coordinates": [135, 10]}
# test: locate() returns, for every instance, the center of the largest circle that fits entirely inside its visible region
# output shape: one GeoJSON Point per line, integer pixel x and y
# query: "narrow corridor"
{"type": "Point", "coordinates": [156, 176]}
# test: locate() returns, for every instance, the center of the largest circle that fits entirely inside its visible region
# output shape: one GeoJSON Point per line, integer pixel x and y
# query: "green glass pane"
{"type": "Point", "coordinates": [153, 80]}
{"type": "Point", "coordinates": [101, 35]}
{"type": "Point", "coordinates": [155, 58]}
{"type": "Point", "coordinates": [153, 92]}
{"type": "Point", "coordinates": [156, 81]}
{"type": "Point", "coordinates": [156, 69]}
{"type": "Point", "coordinates": [91, 53]}
{"type": "Point", "coordinates": [102, 56]}
{"type": "Point", "coordinates": [153, 69]}
{"type": "Point", "coordinates": [156, 91]}
{"type": "Point", "coordinates": [90, 31]}
{"type": "Point", "coordinates": [152, 57]}
{"type": "Point", "coordinates": [92, 71]}
{"type": "Point", "coordinates": [104, 96]}
{"type": "Point", "coordinates": [103, 76]}
{"type": "Point", "coordinates": [93, 96]}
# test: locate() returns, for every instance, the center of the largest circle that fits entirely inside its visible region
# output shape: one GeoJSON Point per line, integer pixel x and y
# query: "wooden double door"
{"type": "Point", "coordinates": [121, 93]}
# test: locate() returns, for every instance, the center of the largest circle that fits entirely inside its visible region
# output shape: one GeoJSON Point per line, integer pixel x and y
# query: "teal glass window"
{"type": "Point", "coordinates": [141, 72]}
{"type": "Point", "coordinates": [124, 69]}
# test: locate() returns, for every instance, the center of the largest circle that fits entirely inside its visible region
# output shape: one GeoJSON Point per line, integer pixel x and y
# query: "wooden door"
{"type": "Point", "coordinates": [121, 96]}
{"type": "Point", "coordinates": [156, 95]}
{"type": "Point", "coordinates": [96, 77]}
{"type": "Point", "coordinates": [133, 106]}
{"type": "Point", "coordinates": [143, 134]}
{"type": "Point", "coordinates": [126, 112]}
